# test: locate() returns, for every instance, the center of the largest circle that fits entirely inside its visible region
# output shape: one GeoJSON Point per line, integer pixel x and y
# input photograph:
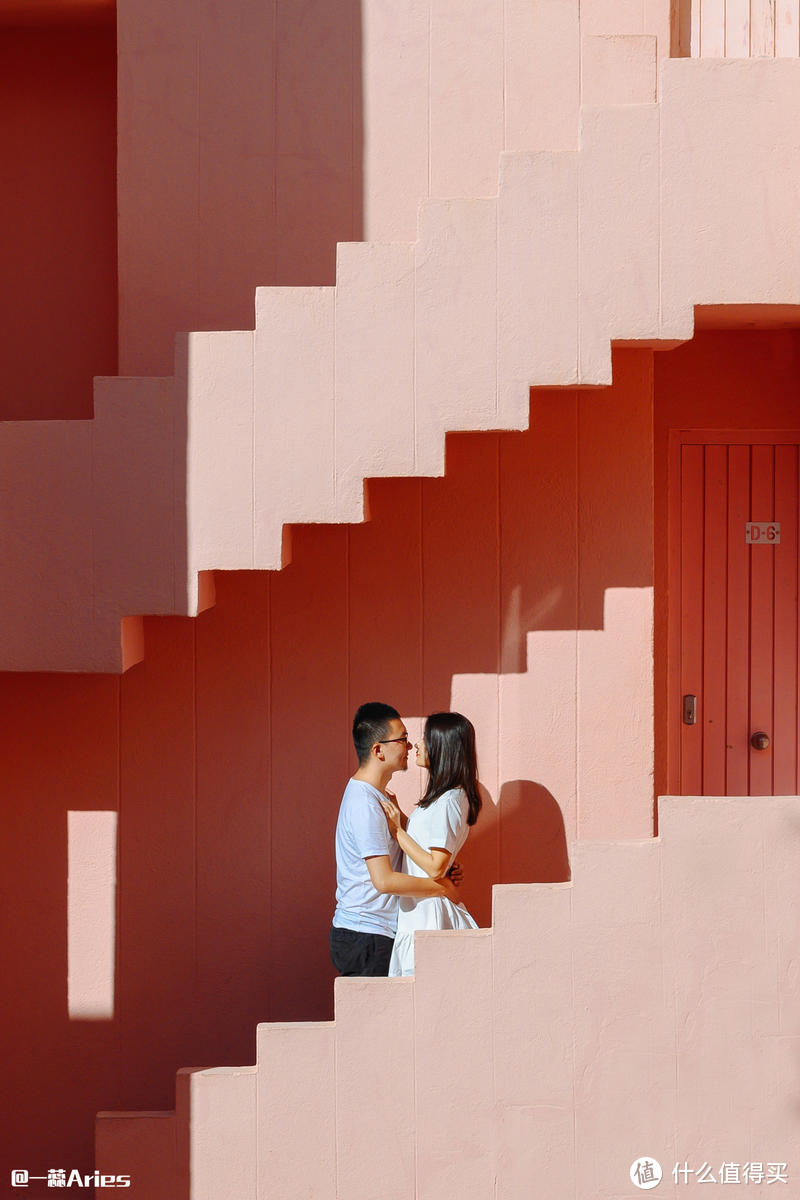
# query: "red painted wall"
{"type": "Point", "coordinates": [58, 303]}
{"type": "Point", "coordinates": [225, 752]}
{"type": "Point", "coordinates": [733, 379]}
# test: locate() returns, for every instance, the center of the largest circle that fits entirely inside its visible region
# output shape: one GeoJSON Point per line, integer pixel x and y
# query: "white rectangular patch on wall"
{"type": "Point", "coordinates": [91, 914]}
{"type": "Point", "coordinates": [762, 533]}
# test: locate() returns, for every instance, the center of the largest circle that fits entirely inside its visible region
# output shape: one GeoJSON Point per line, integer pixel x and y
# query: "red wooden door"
{"type": "Point", "coordinates": [733, 614]}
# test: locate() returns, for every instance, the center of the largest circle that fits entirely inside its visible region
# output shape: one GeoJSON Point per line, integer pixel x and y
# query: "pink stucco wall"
{"type": "Point", "coordinates": [541, 542]}
{"type": "Point", "coordinates": [598, 1023]}
{"type": "Point", "coordinates": [201, 749]}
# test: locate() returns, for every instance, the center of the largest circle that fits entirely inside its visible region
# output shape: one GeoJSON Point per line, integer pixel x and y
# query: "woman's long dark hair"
{"type": "Point", "coordinates": [450, 743]}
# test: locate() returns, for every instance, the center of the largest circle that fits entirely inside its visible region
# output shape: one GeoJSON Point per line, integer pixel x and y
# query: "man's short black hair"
{"type": "Point", "coordinates": [370, 725]}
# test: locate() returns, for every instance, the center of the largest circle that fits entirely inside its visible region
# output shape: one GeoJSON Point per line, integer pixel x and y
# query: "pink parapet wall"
{"type": "Point", "coordinates": [617, 241]}
{"type": "Point", "coordinates": [578, 721]}
{"type": "Point", "coordinates": [344, 114]}
{"type": "Point", "coordinates": [596, 1024]}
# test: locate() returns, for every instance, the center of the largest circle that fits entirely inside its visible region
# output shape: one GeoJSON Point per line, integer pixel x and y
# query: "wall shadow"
{"type": "Point", "coordinates": [58, 196]}
{"type": "Point", "coordinates": [521, 839]}
{"type": "Point", "coordinates": [254, 171]}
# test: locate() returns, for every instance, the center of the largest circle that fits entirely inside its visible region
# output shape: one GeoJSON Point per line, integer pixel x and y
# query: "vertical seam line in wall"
{"type": "Point", "coordinates": [773, 558]}
{"type": "Point", "coordinates": [347, 616]}
{"type": "Point", "coordinates": [335, 1100]}
{"type": "Point", "coordinates": [177, 555]}
{"type": "Point", "coordinates": [92, 544]}
{"type": "Point", "coordinates": [678, 767]}
{"type": "Point", "coordinates": [270, 781]}
{"type": "Point", "coordinates": [572, 1039]}
{"type": "Point", "coordinates": [430, 106]}
{"type": "Point", "coordinates": [497, 306]}
{"type": "Point", "coordinates": [702, 657]}
{"type": "Point", "coordinates": [197, 182]}
{"type": "Point", "coordinates": [415, 1139]}
{"type": "Point", "coordinates": [779, 974]}
{"type": "Point", "coordinates": [118, 897]}
{"type": "Point", "coordinates": [580, 70]}
{"type": "Point", "coordinates": [749, 617]}
{"type": "Point", "coordinates": [274, 197]}
{"type": "Point", "coordinates": [576, 687]}
{"type": "Point", "coordinates": [355, 234]}
{"type": "Point", "coordinates": [578, 234]}
{"type": "Point", "coordinates": [253, 450]}
{"type": "Point", "coordinates": [696, 7]}
{"type": "Point", "coordinates": [673, 1003]}
{"type": "Point", "coordinates": [499, 640]}
{"type": "Point", "coordinates": [660, 204]}
{"type": "Point", "coordinates": [504, 98]}
{"type": "Point", "coordinates": [750, 29]}
{"type": "Point", "coordinates": [334, 394]}
{"type": "Point", "coordinates": [414, 401]}
{"type": "Point", "coordinates": [194, 795]}
{"type": "Point", "coordinates": [492, 1041]}
{"type": "Point", "coordinates": [727, 576]}
{"type": "Point", "coordinates": [421, 692]}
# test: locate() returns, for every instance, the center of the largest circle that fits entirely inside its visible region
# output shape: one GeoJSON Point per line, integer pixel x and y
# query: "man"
{"type": "Point", "coordinates": [368, 859]}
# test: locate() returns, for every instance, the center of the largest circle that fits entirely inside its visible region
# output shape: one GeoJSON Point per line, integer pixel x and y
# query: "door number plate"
{"type": "Point", "coordinates": [762, 533]}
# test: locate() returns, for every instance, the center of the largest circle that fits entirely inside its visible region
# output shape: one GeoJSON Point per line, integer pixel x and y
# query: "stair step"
{"type": "Point", "coordinates": [596, 1020]}
{"type": "Point", "coordinates": [455, 1115]}
{"type": "Point", "coordinates": [455, 324]}
{"type": "Point", "coordinates": [294, 464]}
{"type": "Point", "coordinates": [375, 1103]}
{"type": "Point", "coordinates": [214, 371]}
{"type": "Point", "coordinates": [537, 278]}
{"type": "Point", "coordinates": [374, 432]}
{"type": "Point", "coordinates": [219, 1108]}
{"type": "Point", "coordinates": [618, 224]}
{"type": "Point", "coordinates": [296, 1092]}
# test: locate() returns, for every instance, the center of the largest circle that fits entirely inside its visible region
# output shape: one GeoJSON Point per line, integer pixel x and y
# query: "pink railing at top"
{"type": "Point", "coordinates": [737, 28]}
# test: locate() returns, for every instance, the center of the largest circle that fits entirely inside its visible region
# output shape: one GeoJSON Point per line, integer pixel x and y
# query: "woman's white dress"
{"type": "Point", "coordinates": [443, 826]}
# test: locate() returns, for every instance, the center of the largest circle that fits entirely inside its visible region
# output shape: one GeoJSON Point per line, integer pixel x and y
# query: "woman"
{"type": "Point", "coordinates": [436, 830]}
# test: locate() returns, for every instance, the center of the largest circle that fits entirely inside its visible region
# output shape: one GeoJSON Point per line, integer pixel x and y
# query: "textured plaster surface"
{"type": "Point", "coordinates": [596, 1022]}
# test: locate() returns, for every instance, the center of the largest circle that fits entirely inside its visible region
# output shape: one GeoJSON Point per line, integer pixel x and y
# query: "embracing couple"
{"type": "Point", "coordinates": [392, 871]}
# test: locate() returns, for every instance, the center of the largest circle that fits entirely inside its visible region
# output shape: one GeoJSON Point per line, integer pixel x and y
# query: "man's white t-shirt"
{"type": "Point", "coordinates": [362, 832]}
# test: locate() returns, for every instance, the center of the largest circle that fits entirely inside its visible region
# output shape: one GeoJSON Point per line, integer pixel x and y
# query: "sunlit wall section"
{"type": "Point", "coordinates": [91, 914]}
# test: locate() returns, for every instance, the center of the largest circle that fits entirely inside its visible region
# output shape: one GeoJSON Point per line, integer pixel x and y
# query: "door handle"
{"type": "Point", "coordinates": [690, 710]}
{"type": "Point", "coordinates": [759, 741]}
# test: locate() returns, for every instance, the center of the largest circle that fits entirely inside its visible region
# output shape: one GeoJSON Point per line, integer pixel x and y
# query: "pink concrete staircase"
{"type": "Point", "coordinates": [596, 1022]}
{"type": "Point", "coordinates": [616, 241]}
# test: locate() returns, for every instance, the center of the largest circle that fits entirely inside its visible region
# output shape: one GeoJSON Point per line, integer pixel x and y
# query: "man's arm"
{"type": "Point", "coordinates": [395, 883]}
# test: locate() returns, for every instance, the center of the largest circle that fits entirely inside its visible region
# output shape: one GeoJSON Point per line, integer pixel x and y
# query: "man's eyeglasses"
{"type": "Point", "coordinates": [386, 741]}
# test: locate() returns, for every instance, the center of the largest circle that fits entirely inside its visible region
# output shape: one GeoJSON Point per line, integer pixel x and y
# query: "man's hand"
{"type": "Point", "coordinates": [450, 890]}
{"type": "Point", "coordinates": [456, 874]}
